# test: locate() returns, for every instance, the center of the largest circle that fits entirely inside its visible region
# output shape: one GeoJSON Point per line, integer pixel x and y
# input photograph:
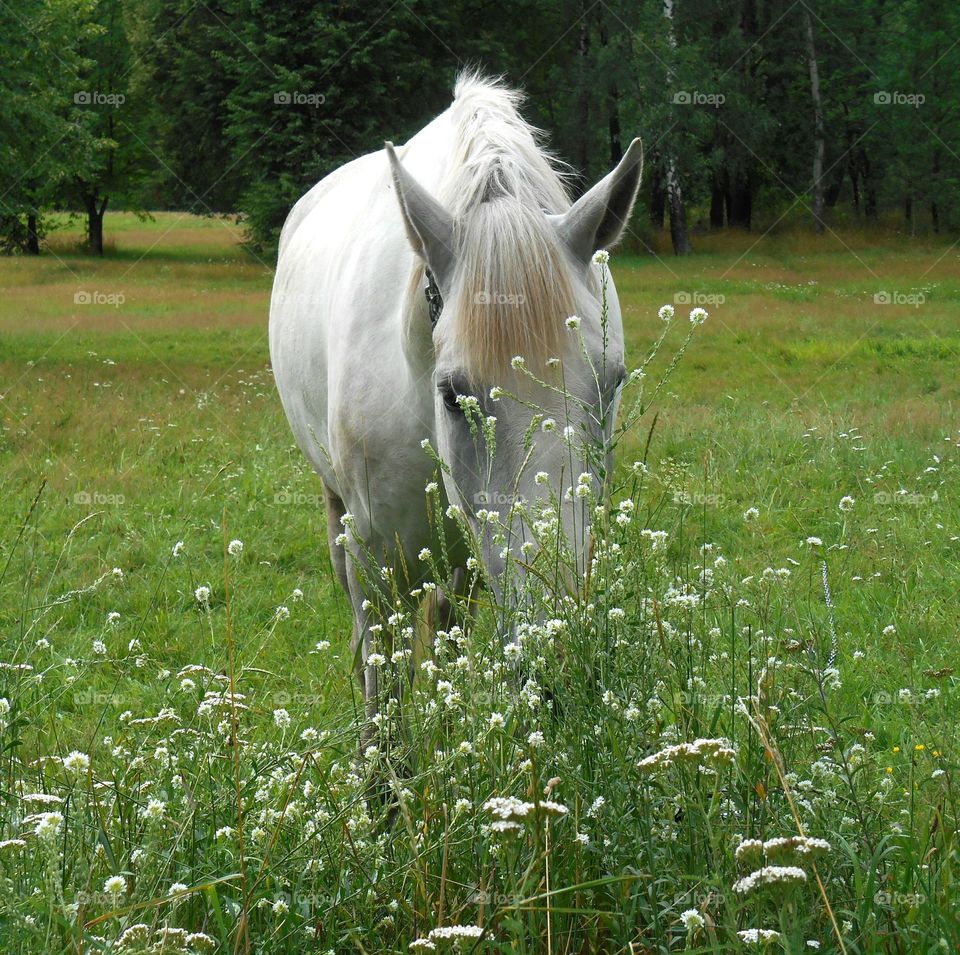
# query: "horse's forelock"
{"type": "Point", "coordinates": [513, 290]}
{"type": "Point", "coordinates": [513, 286]}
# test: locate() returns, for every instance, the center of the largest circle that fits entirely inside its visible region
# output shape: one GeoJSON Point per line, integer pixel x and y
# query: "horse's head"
{"type": "Point", "coordinates": [528, 332]}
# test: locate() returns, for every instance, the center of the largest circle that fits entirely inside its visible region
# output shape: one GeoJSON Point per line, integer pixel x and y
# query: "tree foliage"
{"type": "Point", "coordinates": [242, 105]}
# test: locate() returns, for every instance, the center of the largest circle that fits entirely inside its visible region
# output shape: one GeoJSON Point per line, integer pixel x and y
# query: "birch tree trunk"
{"type": "Point", "coordinates": [819, 136]}
{"type": "Point", "coordinates": [678, 212]}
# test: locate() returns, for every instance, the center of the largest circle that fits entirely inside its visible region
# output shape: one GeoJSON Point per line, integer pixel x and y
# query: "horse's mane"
{"type": "Point", "coordinates": [513, 288]}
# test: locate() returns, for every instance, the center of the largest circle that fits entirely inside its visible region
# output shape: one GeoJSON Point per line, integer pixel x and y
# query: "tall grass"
{"type": "Point", "coordinates": [694, 751]}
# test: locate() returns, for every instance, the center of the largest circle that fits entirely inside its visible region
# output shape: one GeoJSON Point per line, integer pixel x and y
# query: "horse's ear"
{"type": "Point", "coordinates": [597, 219]}
{"type": "Point", "coordinates": [429, 226]}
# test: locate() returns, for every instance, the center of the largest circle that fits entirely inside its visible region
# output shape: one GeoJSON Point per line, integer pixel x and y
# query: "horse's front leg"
{"type": "Point", "coordinates": [361, 648]}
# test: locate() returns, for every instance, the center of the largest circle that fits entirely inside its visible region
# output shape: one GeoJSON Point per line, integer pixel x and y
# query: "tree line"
{"type": "Point", "coordinates": [751, 111]}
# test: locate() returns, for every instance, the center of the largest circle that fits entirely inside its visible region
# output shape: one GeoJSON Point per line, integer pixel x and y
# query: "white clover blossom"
{"type": "Point", "coordinates": [698, 316]}
{"type": "Point", "coordinates": [751, 514]}
{"type": "Point", "coordinates": [573, 322]}
{"type": "Point", "coordinates": [846, 503]}
{"type": "Point", "coordinates": [115, 885]}
{"type": "Point", "coordinates": [601, 257]}
{"type": "Point", "coordinates": [154, 810]}
{"type": "Point", "coordinates": [281, 718]}
{"type": "Point", "coordinates": [692, 920]}
{"type": "Point", "coordinates": [202, 594]}
{"type": "Point", "coordinates": [235, 548]}
{"type": "Point", "coordinates": [178, 548]}
{"type": "Point", "coordinates": [48, 825]}
{"type": "Point", "coordinates": [666, 313]}
{"type": "Point", "coordinates": [76, 763]}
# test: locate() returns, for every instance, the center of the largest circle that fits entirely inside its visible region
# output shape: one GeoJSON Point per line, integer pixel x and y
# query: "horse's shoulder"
{"type": "Point", "coordinates": [342, 177]}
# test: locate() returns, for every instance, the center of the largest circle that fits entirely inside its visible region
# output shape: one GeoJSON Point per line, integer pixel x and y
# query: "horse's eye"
{"type": "Point", "coordinates": [449, 394]}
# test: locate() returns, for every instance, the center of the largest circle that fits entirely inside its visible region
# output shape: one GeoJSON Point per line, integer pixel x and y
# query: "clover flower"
{"type": "Point", "coordinates": [76, 763]}
{"type": "Point", "coordinates": [48, 826]}
{"type": "Point", "coordinates": [114, 886]}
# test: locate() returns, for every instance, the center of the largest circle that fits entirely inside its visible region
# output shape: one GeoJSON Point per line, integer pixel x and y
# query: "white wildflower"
{"type": "Point", "coordinates": [76, 763]}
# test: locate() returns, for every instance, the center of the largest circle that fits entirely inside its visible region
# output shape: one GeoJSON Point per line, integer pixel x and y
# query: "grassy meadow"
{"type": "Point", "coordinates": [181, 773]}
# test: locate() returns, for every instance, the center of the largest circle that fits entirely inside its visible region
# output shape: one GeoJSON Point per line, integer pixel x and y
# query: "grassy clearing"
{"type": "Point", "coordinates": [153, 420]}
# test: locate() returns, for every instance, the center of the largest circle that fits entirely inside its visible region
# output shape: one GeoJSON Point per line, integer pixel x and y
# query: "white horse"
{"type": "Point", "coordinates": [408, 280]}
